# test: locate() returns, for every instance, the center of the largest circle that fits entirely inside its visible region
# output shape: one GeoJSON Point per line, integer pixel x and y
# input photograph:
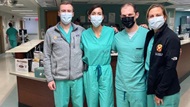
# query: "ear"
{"type": "Point", "coordinates": [59, 14]}
{"type": "Point", "coordinates": [137, 15]}
{"type": "Point", "coordinates": [73, 14]}
{"type": "Point", "coordinates": [165, 18]}
{"type": "Point", "coordinates": [89, 17]}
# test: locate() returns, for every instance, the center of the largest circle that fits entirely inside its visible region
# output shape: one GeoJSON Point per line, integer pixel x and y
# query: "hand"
{"type": "Point", "coordinates": [180, 51]}
{"type": "Point", "coordinates": [6, 39]}
{"type": "Point", "coordinates": [158, 101]}
{"type": "Point", "coordinates": [51, 85]}
{"type": "Point", "coordinates": [144, 25]}
{"type": "Point", "coordinates": [115, 29]}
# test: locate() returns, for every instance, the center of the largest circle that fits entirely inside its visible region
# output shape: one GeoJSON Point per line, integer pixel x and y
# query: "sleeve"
{"type": "Point", "coordinates": [114, 45]}
{"type": "Point", "coordinates": [172, 52]}
{"type": "Point", "coordinates": [7, 32]}
{"type": "Point", "coordinates": [47, 57]}
{"type": "Point", "coordinates": [16, 31]}
{"type": "Point", "coordinates": [81, 42]}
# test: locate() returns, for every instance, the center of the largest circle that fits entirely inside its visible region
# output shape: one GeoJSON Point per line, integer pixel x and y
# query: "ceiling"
{"type": "Point", "coordinates": [33, 5]}
{"type": "Point", "coordinates": [29, 8]}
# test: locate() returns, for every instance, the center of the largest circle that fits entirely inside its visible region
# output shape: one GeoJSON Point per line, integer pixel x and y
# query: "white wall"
{"type": "Point", "coordinates": [31, 24]}
{"type": "Point", "coordinates": [6, 19]}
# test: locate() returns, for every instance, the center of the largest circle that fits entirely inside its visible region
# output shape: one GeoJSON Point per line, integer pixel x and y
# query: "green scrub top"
{"type": "Point", "coordinates": [97, 50]}
{"type": "Point", "coordinates": [12, 33]}
{"type": "Point", "coordinates": [67, 36]}
{"type": "Point", "coordinates": [130, 72]}
{"type": "Point", "coordinates": [149, 49]}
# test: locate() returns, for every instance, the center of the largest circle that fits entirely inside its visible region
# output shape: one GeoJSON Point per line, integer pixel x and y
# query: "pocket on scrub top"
{"type": "Point", "coordinates": [138, 55]}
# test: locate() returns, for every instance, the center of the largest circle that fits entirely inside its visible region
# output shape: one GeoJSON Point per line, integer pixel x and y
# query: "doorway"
{"type": "Point", "coordinates": [2, 48]}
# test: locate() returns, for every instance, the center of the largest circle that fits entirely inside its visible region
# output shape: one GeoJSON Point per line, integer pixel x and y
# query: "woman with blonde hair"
{"type": "Point", "coordinates": [162, 51]}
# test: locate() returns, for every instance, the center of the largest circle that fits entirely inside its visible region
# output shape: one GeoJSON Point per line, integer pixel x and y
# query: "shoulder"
{"type": "Point", "coordinates": [120, 33]}
{"type": "Point", "coordinates": [8, 29]}
{"type": "Point", "coordinates": [142, 29]}
{"type": "Point", "coordinates": [87, 31]}
{"type": "Point", "coordinates": [108, 28]}
{"type": "Point", "coordinates": [78, 27]}
{"type": "Point", "coordinates": [171, 35]}
{"type": "Point", "coordinates": [51, 29]}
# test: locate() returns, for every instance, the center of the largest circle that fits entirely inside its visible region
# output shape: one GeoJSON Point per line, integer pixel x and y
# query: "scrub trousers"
{"type": "Point", "coordinates": [131, 98]}
{"type": "Point", "coordinates": [169, 101]}
{"type": "Point", "coordinates": [99, 88]}
{"type": "Point", "coordinates": [66, 89]}
{"type": "Point", "coordinates": [13, 43]}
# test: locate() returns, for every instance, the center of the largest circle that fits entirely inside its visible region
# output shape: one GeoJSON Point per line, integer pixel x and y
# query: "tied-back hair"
{"type": "Point", "coordinates": [94, 7]}
{"type": "Point", "coordinates": [157, 5]}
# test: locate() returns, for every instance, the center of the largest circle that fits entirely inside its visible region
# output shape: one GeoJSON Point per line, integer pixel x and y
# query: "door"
{"type": "Point", "coordinates": [21, 24]}
{"type": "Point", "coordinates": [51, 18]}
{"type": "Point", "coordinates": [2, 49]}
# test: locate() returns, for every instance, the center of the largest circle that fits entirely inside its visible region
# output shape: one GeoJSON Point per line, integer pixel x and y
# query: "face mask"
{"type": "Point", "coordinates": [96, 20]}
{"type": "Point", "coordinates": [156, 22]}
{"type": "Point", "coordinates": [128, 22]}
{"type": "Point", "coordinates": [66, 17]}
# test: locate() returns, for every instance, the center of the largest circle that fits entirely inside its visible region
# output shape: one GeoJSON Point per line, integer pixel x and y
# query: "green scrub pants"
{"type": "Point", "coordinates": [169, 101]}
{"type": "Point", "coordinates": [99, 88]}
{"type": "Point", "coordinates": [67, 88]}
{"type": "Point", "coordinates": [13, 43]}
{"type": "Point", "coordinates": [131, 98]}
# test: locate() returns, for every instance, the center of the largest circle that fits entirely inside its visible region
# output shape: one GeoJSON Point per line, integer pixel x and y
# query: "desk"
{"type": "Point", "coordinates": [183, 66]}
{"type": "Point", "coordinates": [32, 91]}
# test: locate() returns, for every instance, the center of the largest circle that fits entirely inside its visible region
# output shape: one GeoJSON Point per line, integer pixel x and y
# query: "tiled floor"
{"type": "Point", "coordinates": [8, 82]}
{"type": "Point", "coordinates": [8, 88]}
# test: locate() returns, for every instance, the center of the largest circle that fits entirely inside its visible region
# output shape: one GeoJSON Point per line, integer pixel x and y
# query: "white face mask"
{"type": "Point", "coordinates": [96, 20]}
{"type": "Point", "coordinates": [156, 22]}
{"type": "Point", "coordinates": [66, 17]}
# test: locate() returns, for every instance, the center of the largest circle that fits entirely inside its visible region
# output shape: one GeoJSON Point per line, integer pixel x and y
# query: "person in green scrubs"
{"type": "Point", "coordinates": [162, 51]}
{"type": "Point", "coordinates": [12, 35]}
{"type": "Point", "coordinates": [130, 81]}
{"type": "Point", "coordinates": [96, 43]}
{"type": "Point", "coordinates": [63, 65]}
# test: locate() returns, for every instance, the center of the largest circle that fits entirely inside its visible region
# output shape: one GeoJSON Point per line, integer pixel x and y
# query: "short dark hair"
{"type": "Point", "coordinates": [130, 4]}
{"type": "Point", "coordinates": [65, 3]}
{"type": "Point", "coordinates": [94, 7]}
{"type": "Point", "coordinates": [10, 25]}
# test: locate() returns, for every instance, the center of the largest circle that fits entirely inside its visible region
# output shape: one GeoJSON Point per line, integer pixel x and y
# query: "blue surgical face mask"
{"type": "Point", "coordinates": [156, 22]}
{"type": "Point", "coordinates": [66, 17]}
{"type": "Point", "coordinates": [96, 20]}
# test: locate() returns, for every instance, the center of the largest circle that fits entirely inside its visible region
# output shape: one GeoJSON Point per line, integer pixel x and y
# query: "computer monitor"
{"type": "Point", "coordinates": [22, 30]}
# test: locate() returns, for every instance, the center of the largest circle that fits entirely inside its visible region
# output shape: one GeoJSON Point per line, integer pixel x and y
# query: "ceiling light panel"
{"type": "Point", "coordinates": [22, 10]}
{"type": "Point", "coordinates": [28, 13]}
{"type": "Point", "coordinates": [47, 3]}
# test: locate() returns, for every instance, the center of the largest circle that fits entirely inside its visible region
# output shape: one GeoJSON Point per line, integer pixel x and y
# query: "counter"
{"type": "Point", "coordinates": [32, 91]}
{"type": "Point", "coordinates": [26, 47]}
{"type": "Point", "coordinates": [183, 66]}
{"type": "Point", "coordinates": [22, 50]}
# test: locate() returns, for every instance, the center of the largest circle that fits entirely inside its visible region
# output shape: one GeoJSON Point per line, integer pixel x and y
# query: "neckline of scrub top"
{"type": "Point", "coordinates": [66, 35]}
{"type": "Point", "coordinates": [134, 36]}
{"type": "Point", "coordinates": [95, 35]}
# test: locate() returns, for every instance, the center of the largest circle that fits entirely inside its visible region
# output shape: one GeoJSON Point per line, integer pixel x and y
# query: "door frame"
{"type": "Point", "coordinates": [2, 45]}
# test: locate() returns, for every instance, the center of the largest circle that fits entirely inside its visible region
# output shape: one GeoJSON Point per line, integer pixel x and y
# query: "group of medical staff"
{"type": "Point", "coordinates": [77, 61]}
